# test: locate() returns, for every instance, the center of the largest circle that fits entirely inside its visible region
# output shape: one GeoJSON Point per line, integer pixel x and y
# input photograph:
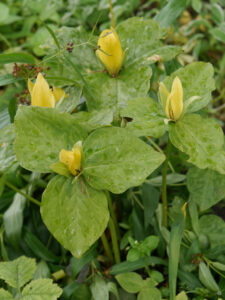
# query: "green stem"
{"type": "Point", "coordinates": [112, 14]}
{"type": "Point", "coordinates": [112, 213]}
{"type": "Point", "coordinates": [107, 247]}
{"type": "Point", "coordinates": [31, 199]}
{"type": "Point", "coordinates": [164, 187]}
{"type": "Point", "coordinates": [114, 241]}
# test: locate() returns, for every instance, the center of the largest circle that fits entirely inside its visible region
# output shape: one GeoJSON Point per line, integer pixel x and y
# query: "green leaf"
{"type": "Point", "coordinates": [141, 38]}
{"type": "Point", "coordinates": [116, 160]}
{"type": "Point", "coordinates": [99, 289]}
{"type": "Point", "coordinates": [170, 179]}
{"type": "Point", "coordinates": [174, 253]}
{"type": "Point", "coordinates": [41, 133]}
{"type": "Point", "coordinates": [8, 159]}
{"type": "Point", "coordinates": [16, 57]}
{"type": "Point", "coordinates": [83, 213]}
{"type": "Point", "coordinates": [169, 13]}
{"type": "Point", "coordinates": [42, 270]}
{"type": "Point", "coordinates": [219, 32]}
{"type": "Point", "coordinates": [7, 79]}
{"type": "Point", "coordinates": [18, 272]}
{"type": "Point", "coordinates": [197, 80]}
{"type": "Point", "coordinates": [214, 228]}
{"type": "Point", "coordinates": [206, 278]}
{"type": "Point", "coordinates": [95, 119]}
{"type": "Point", "coordinates": [218, 15]}
{"type": "Point", "coordinates": [41, 289]}
{"type": "Point", "coordinates": [182, 296]}
{"type": "Point", "coordinates": [103, 91]}
{"type": "Point", "coordinates": [147, 119]}
{"type": "Point", "coordinates": [6, 295]}
{"type": "Point", "coordinates": [202, 139]}
{"type": "Point", "coordinates": [69, 104]}
{"type": "Point", "coordinates": [82, 56]}
{"type": "Point", "coordinates": [130, 282]}
{"type": "Point", "coordinates": [149, 293]}
{"type": "Point", "coordinates": [38, 248]}
{"type": "Point", "coordinates": [4, 13]}
{"type": "Point", "coordinates": [128, 266]}
{"type": "Point", "coordinates": [207, 187]}
{"type": "Point", "coordinates": [13, 220]}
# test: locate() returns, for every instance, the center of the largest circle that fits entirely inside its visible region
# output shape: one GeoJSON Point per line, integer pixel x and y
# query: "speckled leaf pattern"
{"type": "Point", "coordinates": [197, 80]}
{"type": "Point", "coordinates": [142, 39]}
{"type": "Point", "coordinates": [95, 119]}
{"type": "Point", "coordinates": [74, 213]}
{"type": "Point", "coordinates": [41, 133]}
{"type": "Point", "coordinates": [5, 295]}
{"type": "Point", "coordinates": [41, 289]}
{"type": "Point", "coordinates": [107, 92]}
{"type": "Point", "coordinates": [116, 160]}
{"type": "Point", "coordinates": [201, 139]}
{"type": "Point", "coordinates": [147, 117]}
{"type": "Point", "coordinates": [18, 272]}
{"type": "Point", "coordinates": [214, 228]}
{"type": "Point", "coordinates": [206, 187]}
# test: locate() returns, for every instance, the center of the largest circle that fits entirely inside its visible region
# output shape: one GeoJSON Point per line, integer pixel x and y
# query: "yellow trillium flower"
{"type": "Point", "coordinates": [111, 53]}
{"type": "Point", "coordinates": [172, 102]}
{"type": "Point", "coordinates": [42, 95]}
{"type": "Point", "coordinates": [72, 159]}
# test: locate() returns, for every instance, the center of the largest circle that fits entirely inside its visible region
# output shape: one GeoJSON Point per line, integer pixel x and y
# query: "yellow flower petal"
{"type": "Point", "coordinates": [41, 94]}
{"type": "Point", "coordinates": [58, 93]}
{"type": "Point", "coordinates": [112, 53]}
{"type": "Point", "coordinates": [163, 93]}
{"type": "Point", "coordinates": [177, 99]}
{"type": "Point", "coordinates": [72, 159]}
{"type": "Point", "coordinates": [174, 103]}
{"type": "Point", "coordinates": [30, 85]}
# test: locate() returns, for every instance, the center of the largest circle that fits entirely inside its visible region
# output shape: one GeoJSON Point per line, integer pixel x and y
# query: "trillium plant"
{"type": "Point", "coordinates": [94, 122]}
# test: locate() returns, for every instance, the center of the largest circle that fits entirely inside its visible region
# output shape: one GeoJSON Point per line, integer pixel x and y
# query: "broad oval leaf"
{"type": "Point", "coordinates": [149, 293]}
{"type": "Point", "coordinates": [147, 117]}
{"type": "Point", "coordinates": [103, 91]}
{"type": "Point", "coordinates": [130, 282]}
{"type": "Point", "coordinates": [41, 133]}
{"type": "Point", "coordinates": [197, 80]}
{"type": "Point", "coordinates": [16, 57]}
{"type": "Point", "coordinates": [74, 213]}
{"type": "Point", "coordinates": [141, 38]}
{"type": "Point", "coordinates": [206, 278]}
{"type": "Point", "coordinates": [116, 160]}
{"type": "Point", "coordinates": [201, 139]}
{"type": "Point", "coordinates": [207, 187]}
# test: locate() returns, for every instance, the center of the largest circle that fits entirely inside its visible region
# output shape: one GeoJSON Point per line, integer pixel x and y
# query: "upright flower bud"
{"type": "Point", "coordinates": [42, 95]}
{"type": "Point", "coordinates": [72, 159]}
{"type": "Point", "coordinates": [110, 52]}
{"type": "Point", "coordinates": [172, 102]}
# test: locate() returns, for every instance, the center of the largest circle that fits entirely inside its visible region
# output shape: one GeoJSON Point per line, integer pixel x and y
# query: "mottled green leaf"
{"type": "Point", "coordinates": [130, 282]}
{"type": "Point", "coordinates": [201, 139]}
{"type": "Point", "coordinates": [219, 32]}
{"type": "Point", "coordinates": [18, 272]}
{"type": "Point", "coordinates": [141, 38]}
{"type": "Point", "coordinates": [74, 213]}
{"type": "Point", "coordinates": [94, 119]}
{"type": "Point", "coordinates": [207, 187]}
{"type": "Point", "coordinates": [147, 117]}
{"type": "Point", "coordinates": [5, 295]}
{"type": "Point", "coordinates": [197, 80]}
{"type": "Point", "coordinates": [41, 289]}
{"type": "Point", "coordinates": [41, 133]}
{"type": "Point", "coordinates": [103, 91]}
{"type": "Point", "coordinates": [149, 293]}
{"type": "Point", "coordinates": [214, 228]}
{"type": "Point", "coordinates": [116, 160]}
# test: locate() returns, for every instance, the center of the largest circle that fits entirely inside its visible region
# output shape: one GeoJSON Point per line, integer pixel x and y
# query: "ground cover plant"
{"type": "Point", "coordinates": [112, 155]}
